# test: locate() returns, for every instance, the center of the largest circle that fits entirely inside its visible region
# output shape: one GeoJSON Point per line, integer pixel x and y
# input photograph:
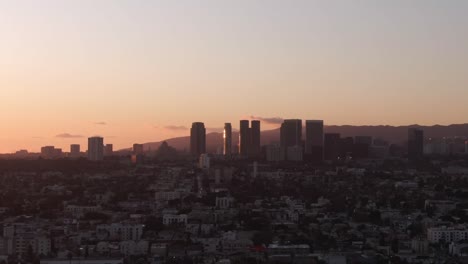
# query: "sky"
{"type": "Point", "coordinates": [140, 71]}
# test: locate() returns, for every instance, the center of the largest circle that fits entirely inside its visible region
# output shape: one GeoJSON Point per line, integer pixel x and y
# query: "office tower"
{"type": "Point", "coordinates": [291, 133]}
{"type": "Point", "coordinates": [197, 139]}
{"type": "Point", "coordinates": [47, 152]}
{"type": "Point", "coordinates": [415, 143]}
{"type": "Point", "coordinates": [291, 137]}
{"type": "Point", "coordinates": [227, 136]}
{"type": "Point", "coordinates": [244, 138]}
{"type": "Point", "coordinates": [95, 148]}
{"type": "Point", "coordinates": [314, 140]}
{"type": "Point", "coordinates": [254, 149]}
{"type": "Point", "coordinates": [249, 139]}
{"type": "Point", "coordinates": [75, 150]}
{"type": "Point", "coordinates": [138, 149]}
{"type": "Point", "coordinates": [331, 146]}
{"type": "Point", "coordinates": [109, 150]}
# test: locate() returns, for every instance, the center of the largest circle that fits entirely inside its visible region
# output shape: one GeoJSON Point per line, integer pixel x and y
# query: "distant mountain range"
{"type": "Point", "coordinates": [393, 134]}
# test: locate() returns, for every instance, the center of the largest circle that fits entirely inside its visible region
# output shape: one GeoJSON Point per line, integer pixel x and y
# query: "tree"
{"type": "Point", "coordinates": [262, 238]}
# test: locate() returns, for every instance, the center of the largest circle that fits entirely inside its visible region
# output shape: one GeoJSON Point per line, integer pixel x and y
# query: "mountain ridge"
{"type": "Point", "coordinates": [393, 134]}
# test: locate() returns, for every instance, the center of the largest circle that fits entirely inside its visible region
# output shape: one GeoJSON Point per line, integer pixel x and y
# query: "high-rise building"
{"type": "Point", "coordinates": [109, 150]}
{"type": "Point", "coordinates": [227, 136]}
{"type": "Point", "coordinates": [244, 138]}
{"type": "Point", "coordinates": [138, 149]}
{"type": "Point", "coordinates": [197, 139]}
{"type": "Point", "coordinates": [249, 138]}
{"type": "Point", "coordinates": [47, 151]}
{"type": "Point", "coordinates": [255, 148]}
{"type": "Point", "coordinates": [291, 133]}
{"type": "Point", "coordinates": [332, 144]}
{"type": "Point", "coordinates": [415, 143]}
{"type": "Point", "coordinates": [75, 150]}
{"type": "Point", "coordinates": [95, 148]}
{"type": "Point", "coordinates": [314, 140]}
{"type": "Point", "coordinates": [291, 137]}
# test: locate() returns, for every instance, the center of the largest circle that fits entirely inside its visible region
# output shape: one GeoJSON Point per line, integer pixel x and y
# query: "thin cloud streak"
{"type": "Point", "coordinates": [269, 120]}
{"type": "Point", "coordinates": [176, 128]}
{"type": "Point", "coordinates": [67, 135]}
{"type": "Point", "coordinates": [101, 123]}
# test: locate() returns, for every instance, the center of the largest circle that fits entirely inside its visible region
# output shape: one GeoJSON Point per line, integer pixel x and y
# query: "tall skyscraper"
{"type": "Point", "coordinates": [95, 148]}
{"type": "Point", "coordinates": [314, 140]}
{"type": "Point", "coordinates": [291, 133]}
{"type": "Point", "coordinates": [244, 138]}
{"type": "Point", "coordinates": [197, 139]}
{"type": "Point", "coordinates": [291, 138]}
{"type": "Point", "coordinates": [75, 150]}
{"type": "Point", "coordinates": [227, 136]}
{"type": "Point", "coordinates": [415, 143]}
{"type": "Point", "coordinates": [255, 148]}
{"type": "Point", "coordinates": [249, 138]}
{"type": "Point", "coordinates": [332, 142]}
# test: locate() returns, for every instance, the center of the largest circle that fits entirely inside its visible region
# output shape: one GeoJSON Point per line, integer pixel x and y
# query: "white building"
{"type": "Point", "coordinates": [172, 219]}
{"type": "Point", "coordinates": [224, 202]}
{"type": "Point", "coordinates": [445, 234]}
{"type": "Point", "coordinates": [78, 211]}
{"type": "Point", "coordinates": [121, 231]}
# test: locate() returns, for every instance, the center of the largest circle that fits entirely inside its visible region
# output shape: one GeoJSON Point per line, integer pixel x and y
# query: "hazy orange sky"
{"type": "Point", "coordinates": [141, 71]}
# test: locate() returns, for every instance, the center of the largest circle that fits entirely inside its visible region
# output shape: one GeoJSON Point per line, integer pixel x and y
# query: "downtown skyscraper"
{"type": "Point", "coordinates": [227, 140]}
{"type": "Point", "coordinates": [314, 140]}
{"type": "Point", "coordinates": [249, 138]}
{"type": "Point", "coordinates": [291, 139]}
{"type": "Point", "coordinates": [197, 139]}
{"type": "Point", "coordinates": [95, 148]}
{"type": "Point", "coordinates": [291, 133]}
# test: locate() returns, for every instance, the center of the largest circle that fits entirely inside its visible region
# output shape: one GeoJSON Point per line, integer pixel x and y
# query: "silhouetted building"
{"type": "Point", "coordinates": [362, 146]}
{"type": "Point", "coordinates": [244, 138]}
{"type": "Point", "coordinates": [314, 140]}
{"type": "Point", "coordinates": [138, 149]}
{"type": "Point", "coordinates": [249, 139]}
{"type": "Point", "coordinates": [255, 148]}
{"type": "Point", "coordinates": [50, 152]}
{"type": "Point", "coordinates": [291, 133]}
{"type": "Point", "coordinates": [227, 137]}
{"type": "Point", "coordinates": [415, 143]}
{"type": "Point", "coordinates": [95, 148]}
{"type": "Point", "coordinates": [75, 150]}
{"type": "Point", "coordinates": [291, 136]}
{"type": "Point", "coordinates": [197, 139]}
{"type": "Point", "coordinates": [332, 146]}
{"type": "Point", "coordinates": [109, 150]}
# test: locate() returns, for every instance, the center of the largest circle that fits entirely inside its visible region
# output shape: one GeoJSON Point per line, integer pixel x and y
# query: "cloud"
{"type": "Point", "coordinates": [101, 123]}
{"type": "Point", "coordinates": [176, 128]}
{"type": "Point", "coordinates": [269, 120]}
{"type": "Point", "coordinates": [67, 135]}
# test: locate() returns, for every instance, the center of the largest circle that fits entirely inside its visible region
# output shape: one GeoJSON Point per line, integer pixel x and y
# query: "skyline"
{"type": "Point", "coordinates": [136, 72]}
